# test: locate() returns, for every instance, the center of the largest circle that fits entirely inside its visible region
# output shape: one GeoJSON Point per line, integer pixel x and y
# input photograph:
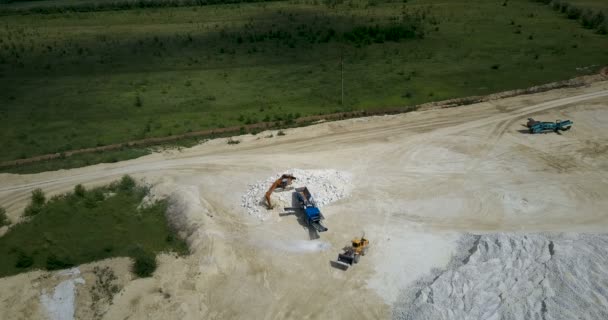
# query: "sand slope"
{"type": "Point", "coordinates": [515, 276]}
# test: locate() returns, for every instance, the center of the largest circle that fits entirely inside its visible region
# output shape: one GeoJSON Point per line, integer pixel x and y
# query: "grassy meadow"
{"type": "Point", "coordinates": [82, 79]}
{"type": "Point", "coordinates": [87, 225]}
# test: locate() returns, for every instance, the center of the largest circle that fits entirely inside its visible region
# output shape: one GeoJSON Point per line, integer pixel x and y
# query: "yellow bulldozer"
{"type": "Point", "coordinates": [351, 254]}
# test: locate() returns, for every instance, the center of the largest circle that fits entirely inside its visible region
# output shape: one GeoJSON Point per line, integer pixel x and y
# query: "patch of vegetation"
{"type": "Point", "coordinates": [77, 161]}
{"type": "Point", "coordinates": [231, 141]}
{"type": "Point", "coordinates": [590, 14]}
{"type": "Point", "coordinates": [48, 7]}
{"type": "Point", "coordinates": [103, 290]}
{"type": "Point", "coordinates": [38, 201]}
{"type": "Point", "coordinates": [88, 225]}
{"type": "Point", "coordinates": [269, 62]}
{"type": "Point", "coordinates": [145, 263]}
{"type": "Point", "coordinates": [4, 221]}
{"type": "Point", "coordinates": [280, 133]}
{"type": "Point", "coordinates": [379, 34]}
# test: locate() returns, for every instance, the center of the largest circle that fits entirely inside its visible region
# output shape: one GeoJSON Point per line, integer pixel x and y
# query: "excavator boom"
{"type": "Point", "coordinates": [282, 182]}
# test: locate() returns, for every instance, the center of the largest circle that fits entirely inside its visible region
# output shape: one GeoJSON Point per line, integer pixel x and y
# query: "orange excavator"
{"type": "Point", "coordinates": [283, 182]}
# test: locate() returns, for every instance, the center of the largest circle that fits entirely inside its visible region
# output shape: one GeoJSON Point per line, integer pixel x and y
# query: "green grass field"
{"type": "Point", "coordinates": [85, 226]}
{"type": "Point", "coordinates": [591, 4]}
{"type": "Point", "coordinates": [74, 80]}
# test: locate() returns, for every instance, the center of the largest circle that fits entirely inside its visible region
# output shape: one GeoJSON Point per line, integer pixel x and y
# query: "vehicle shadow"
{"type": "Point", "coordinates": [300, 215]}
{"type": "Point", "coordinates": [524, 131]}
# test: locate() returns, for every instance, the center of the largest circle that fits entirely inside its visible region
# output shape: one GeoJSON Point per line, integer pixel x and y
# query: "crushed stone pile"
{"type": "Point", "coordinates": [326, 186]}
{"type": "Point", "coordinates": [516, 276]}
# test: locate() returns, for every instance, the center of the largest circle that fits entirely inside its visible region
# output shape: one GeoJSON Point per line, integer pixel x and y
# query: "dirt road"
{"type": "Point", "coordinates": [419, 181]}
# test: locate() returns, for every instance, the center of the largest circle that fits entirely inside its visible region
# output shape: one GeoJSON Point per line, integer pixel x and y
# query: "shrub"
{"type": "Point", "coordinates": [32, 210]}
{"type": "Point", "coordinates": [365, 35]}
{"type": "Point", "coordinates": [79, 191]}
{"type": "Point", "coordinates": [126, 183]}
{"type": "Point", "coordinates": [138, 102]}
{"type": "Point", "coordinates": [280, 133]}
{"type": "Point", "coordinates": [603, 29]}
{"type": "Point", "coordinates": [573, 12]}
{"type": "Point", "coordinates": [4, 221]}
{"type": "Point", "coordinates": [38, 200]}
{"type": "Point", "coordinates": [54, 263]}
{"type": "Point", "coordinates": [598, 19]}
{"type": "Point", "coordinates": [24, 261]}
{"type": "Point", "coordinates": [586, 19]}
{"type": "Point", "coordinates": [145, 263]}
{"type": "Point", "coordinates": [38, 197]}
{"type": "Point", "coordinates": [230, 141]}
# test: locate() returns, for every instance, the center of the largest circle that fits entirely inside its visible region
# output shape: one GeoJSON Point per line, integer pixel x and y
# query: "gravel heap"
{"type": "Point", "coordinates": [326, 186]}
{"type": "Point", "coordinates": [516, 276]}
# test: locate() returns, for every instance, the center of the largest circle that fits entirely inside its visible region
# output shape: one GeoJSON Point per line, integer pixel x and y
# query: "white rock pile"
{"type": "Point", "coordinates": [516, 276]}
{"type": "Point", "coordinates": [326, 186]}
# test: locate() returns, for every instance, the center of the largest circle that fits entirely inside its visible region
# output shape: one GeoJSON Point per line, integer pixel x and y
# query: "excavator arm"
{"type": "Point", "coordinates": [284, 181]}
{"type": "Point", "coordinates": [269, 192]}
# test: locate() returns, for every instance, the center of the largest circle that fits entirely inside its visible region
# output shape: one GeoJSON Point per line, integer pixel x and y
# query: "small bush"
{"type": "Point", "coordinates": [231, 141]}
{"type": "Point", "coordinates": [495, 66]}
{"type": "Point", "coordinates": [138, 102]}
{"type": "Point", "coordinates": [603, 29]}
{"type": "Point", "coordinates": [573, 12]}
{"type": "Point", "coordinates": [24, 261]}
{"type": "Point", "coordinates": [555, 4]}
{"type": "Point", "coordinates": [145, 263]}
{"type": "Point", "coordinates": [38, 200]}
{"type": "Point", "coordinates": [80, 191]}
{"type": "Point", "coordinates": [126, 183]}
{"type": "Point", "coordinates": [4, 221]}
{"type": "Point", "coordinates": [54, 263]}
{"type": "Point", "coordinates": [38, 197]}
{"type": "Point", "coordinates": [32, 210]}
{"type": "Point", "coordinates": [281, 133]}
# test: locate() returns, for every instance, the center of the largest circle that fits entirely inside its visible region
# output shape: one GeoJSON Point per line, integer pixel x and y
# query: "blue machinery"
{"type": "Point", "coordinates": [308, 204]}
{"type": "Point", "coordinates": [540, 127]}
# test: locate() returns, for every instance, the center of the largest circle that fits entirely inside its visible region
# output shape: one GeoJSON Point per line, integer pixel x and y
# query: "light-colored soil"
{"type": "Point", "coordinates": [419, 180]}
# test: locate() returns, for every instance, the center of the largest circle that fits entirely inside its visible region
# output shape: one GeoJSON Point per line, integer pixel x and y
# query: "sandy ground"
{"type": "Point", "coordinates": [419, 182]}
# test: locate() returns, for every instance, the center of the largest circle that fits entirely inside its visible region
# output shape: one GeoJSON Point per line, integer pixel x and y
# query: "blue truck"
{"type": "Point", "coordinates": [309, 206]}
{"type": "Point", "coordinates": [540, 127]}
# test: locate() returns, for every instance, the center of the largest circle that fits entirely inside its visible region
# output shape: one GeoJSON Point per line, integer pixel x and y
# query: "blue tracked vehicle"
{"type": "Point", "coordinates": [308, 204]}
{"type": "Point", "coordinates": [540, 127]}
